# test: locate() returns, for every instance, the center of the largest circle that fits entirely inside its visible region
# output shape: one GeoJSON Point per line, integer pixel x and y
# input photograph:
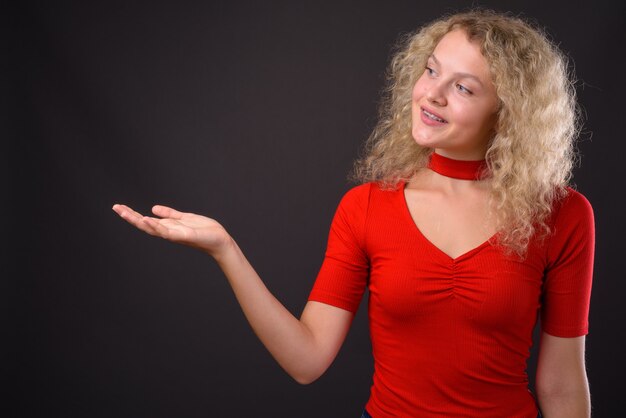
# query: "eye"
{"type": "Point", "coordinates": [429, 71]}
{"type": "Point", "coordinates": [463, 89]}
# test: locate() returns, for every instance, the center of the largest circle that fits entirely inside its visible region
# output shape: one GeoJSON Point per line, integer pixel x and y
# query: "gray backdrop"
{"type": "Point", "coordinates": [251, 113]}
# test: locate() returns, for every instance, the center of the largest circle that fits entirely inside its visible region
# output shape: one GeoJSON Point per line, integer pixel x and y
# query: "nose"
{"type": "Point", "coordinates": [435, 94]}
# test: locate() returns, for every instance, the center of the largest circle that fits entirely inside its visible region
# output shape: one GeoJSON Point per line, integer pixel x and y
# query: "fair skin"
{"type": "Point", "coordinates": [456, 86]}
{"type": "Point", "coordinates": [561, 382]}
{"type": "Point", "coordinates": [453, 214]}
{"type": "Point", "coordinates": [450, 212]}
{"type": "Point", "coordinates": [303, 347]}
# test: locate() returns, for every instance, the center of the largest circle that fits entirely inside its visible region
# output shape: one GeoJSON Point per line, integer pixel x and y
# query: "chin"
{"type": "Point", "coordinates": [422, 140]}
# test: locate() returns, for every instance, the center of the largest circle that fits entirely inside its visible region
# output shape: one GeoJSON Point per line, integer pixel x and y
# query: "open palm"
{"type": "Point", "coordinates": [184, 228]}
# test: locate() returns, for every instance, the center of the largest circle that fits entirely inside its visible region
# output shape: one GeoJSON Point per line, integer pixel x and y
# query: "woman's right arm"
{"type": "Point", "coordinates": [303, 347]}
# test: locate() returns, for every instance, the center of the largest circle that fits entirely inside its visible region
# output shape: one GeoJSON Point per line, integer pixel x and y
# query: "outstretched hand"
{"type": "Point", "coordinates": [190, 229]}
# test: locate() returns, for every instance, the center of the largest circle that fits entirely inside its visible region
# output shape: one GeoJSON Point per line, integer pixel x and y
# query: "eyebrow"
{"type": "Point", "coordinates": [465, 75]}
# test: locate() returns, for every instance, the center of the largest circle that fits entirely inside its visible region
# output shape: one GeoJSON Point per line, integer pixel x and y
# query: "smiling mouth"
{"type": "Point", "coordinates": [433, 117]}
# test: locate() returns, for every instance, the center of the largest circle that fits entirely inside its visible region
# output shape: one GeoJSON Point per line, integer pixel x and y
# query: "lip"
{"type": "Point", "coordinates": [428, 121]}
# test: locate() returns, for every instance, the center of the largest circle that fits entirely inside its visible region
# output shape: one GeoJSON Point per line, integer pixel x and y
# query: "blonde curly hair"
{"type": "Point", "coordinates": [531, 155]}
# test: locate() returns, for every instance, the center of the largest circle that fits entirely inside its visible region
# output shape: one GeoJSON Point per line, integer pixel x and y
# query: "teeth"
{"type": "Point", "coordinates": [433, 117]}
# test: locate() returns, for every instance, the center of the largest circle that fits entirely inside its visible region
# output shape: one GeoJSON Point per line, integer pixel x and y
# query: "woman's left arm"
{"type": "Point", "coordinates": [561, 383]}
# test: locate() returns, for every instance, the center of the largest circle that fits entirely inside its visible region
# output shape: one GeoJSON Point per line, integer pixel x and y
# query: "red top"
{"type": "Point", "coordinates": [451, 337]}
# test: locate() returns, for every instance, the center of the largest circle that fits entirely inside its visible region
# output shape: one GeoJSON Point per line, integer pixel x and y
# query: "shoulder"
{"type": "Point", "coordinates": [574, 208]}
{"type": "Point", "coordinates": [360, 192]}
{"type": "Point", "coordinates": [363, 195]}
{"type": "Point", "coordinates": [573, 225]}
{"type": "Point", "coordinates": [356, 197]}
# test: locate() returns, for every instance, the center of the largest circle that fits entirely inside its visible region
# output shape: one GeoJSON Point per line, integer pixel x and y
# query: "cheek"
{"type": "Point", "coordinates": [487, 118]}
{"type": "Point", "coordinates": [418, 89]}
{"type": "Point", "coordinates": [472, 116]}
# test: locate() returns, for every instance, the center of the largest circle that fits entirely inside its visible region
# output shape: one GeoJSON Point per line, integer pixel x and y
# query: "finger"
{"type": "Point", "coordinates": [166, 212]}
{"type": "Point", "coordinates": [154, 227]}
{"type": "Point", "coordinates": [127, 213]}
{"type": "Point", "coordinates": [119, 209]}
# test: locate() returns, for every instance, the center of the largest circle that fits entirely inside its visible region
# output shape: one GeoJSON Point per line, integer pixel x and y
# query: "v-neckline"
{"type": "Point", "coordinates": [407, 212]}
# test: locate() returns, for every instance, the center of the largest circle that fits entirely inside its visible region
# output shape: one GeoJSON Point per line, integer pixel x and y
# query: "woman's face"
{"type": "Point", "coordinates": [454, 106]}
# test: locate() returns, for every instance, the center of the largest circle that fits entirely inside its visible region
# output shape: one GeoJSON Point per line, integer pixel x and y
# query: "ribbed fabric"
{"type": "Point", "coordinates": [451, 337]}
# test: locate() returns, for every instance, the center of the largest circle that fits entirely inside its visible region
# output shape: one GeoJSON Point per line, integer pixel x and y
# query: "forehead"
{"type": "Point", "coordinates": [457, 53]}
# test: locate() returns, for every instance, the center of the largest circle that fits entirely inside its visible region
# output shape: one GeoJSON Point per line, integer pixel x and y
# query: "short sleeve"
{"type": "Point", "coordinates": [569, 273]}
{"type": "Point", "coordinates": [342, 279]}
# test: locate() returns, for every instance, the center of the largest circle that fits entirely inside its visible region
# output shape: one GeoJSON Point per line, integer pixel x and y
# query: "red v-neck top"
{"type": "Point", "coordinates": [451, 337]}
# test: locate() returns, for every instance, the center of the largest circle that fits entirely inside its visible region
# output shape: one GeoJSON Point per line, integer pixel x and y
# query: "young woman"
{"type": "Point", "coordinates": [464, 230]}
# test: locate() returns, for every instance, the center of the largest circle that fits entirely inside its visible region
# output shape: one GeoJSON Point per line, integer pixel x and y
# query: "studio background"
{"type": "Point", "coordinates": [251, 113]}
